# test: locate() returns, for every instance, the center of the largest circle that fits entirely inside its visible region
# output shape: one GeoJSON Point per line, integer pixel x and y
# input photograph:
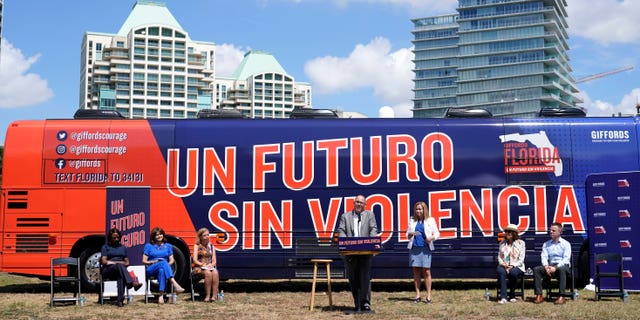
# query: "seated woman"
{"type": "Point", "coordinates": [510, 262]}
{"type": "Point", "coordinates": [114, 262]}
{"type": "Point", "coordinates": [204, 259]}
{"type": "Point", "coordinates": [158, 257]}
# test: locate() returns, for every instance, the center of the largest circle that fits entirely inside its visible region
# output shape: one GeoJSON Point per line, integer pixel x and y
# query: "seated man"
{"type": "Point", "coordinates": [556, 257]}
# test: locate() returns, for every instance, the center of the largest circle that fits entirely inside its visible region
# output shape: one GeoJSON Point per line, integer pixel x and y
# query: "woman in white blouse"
{"type": "Point", "coordinates": [422, 233]}
{"type": "Point", "coordinates": [510, 262]}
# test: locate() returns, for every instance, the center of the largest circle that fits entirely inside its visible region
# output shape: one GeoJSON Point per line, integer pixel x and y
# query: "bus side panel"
{"type": "Point", "coordinates": [62, 186]}
{"type": "Point", "coordinates": [22, 159]}
{"type": "Point", "coordinates": [26, 223]}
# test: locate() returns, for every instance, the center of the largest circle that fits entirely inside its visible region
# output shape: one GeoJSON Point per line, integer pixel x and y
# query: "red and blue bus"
{"type": "Point", "coordinates": [271, 191]}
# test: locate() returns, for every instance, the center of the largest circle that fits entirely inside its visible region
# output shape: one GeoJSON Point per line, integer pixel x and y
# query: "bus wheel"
{"type": "Point", "coordinates": [181, 267]}
{"type": "Point", "coordinates": [90, 269]}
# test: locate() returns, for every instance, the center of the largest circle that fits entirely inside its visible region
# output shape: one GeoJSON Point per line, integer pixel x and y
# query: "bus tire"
{"type": "Point", "coordinates": [181, 267]}
{"type": "Point", "coordinates": [90, 268]}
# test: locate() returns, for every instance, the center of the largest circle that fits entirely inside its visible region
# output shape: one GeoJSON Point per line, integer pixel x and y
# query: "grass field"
{"type": "Point", "coordinates": [28, 298]}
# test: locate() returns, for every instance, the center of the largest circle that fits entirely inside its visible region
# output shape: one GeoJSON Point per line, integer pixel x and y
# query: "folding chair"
{"type": "Point", "coordinates": [65, 272]}
{"type": "Point", "coordinates": [609, 265]}
{"type": "Point", "coordinates": [154, 280]}
{"type": "Point", "coordinates": [112, 285]}
{"type": "Point", "coordinates": [194, 279]}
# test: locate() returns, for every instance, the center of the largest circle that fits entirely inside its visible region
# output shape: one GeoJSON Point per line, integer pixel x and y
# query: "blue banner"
{"type": "Point", "coordinates": [128, 210]}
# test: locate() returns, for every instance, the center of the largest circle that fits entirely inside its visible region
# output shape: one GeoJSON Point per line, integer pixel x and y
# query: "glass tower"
{"type": "Point", "coordinates": [507, 56]}
{"type": "Point", "coordinates": [1, 9]}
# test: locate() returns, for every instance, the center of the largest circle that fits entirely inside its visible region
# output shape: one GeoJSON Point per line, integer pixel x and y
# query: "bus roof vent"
{"type": "Point", "coordinates": [561, 112]}
{"type": "Point", "coordinates": [97, 114]}
{"type": "Point", "coordinates": [228, 113]}
{"type": "Point", "coordinates": [468, 113]}
{"type": "Point", "coordinates": [308, 113]}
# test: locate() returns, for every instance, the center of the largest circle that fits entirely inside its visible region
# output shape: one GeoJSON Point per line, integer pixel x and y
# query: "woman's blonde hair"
{"type": "Point", "coordinates": [425, 210]}
{"type": "Point", "coordinates": [201, 231]}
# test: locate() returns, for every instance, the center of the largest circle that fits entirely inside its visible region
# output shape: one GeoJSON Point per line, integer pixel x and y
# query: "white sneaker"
{"type": "Point", "coordinates": [502, 301]}
{"type": "Point", "coordinates": [512, 300]}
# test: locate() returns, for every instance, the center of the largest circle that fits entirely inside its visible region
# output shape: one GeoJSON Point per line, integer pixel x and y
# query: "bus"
{"type": "Point", "coordinates": [271, 191]}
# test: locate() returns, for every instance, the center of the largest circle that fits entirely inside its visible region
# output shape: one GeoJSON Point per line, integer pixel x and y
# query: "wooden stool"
{"type": "Point", "coordinates": [315, 262]}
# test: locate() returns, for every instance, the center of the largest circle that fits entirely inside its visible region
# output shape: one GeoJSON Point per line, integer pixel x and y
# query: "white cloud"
{"type": "Point", "coordinates": [627, 105]}
{"type": "Point", "coordinates": [605, 21]}
{"type": "Point", "coordinates": [17, 87]}
{"type": "Point", "coordinates": [368, 66]}
{"type": "Point", "coordinates": [228, 58]}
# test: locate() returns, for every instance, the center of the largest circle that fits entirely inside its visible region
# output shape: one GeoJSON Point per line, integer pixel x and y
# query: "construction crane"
{"type": "Point", "coordinates": [603, 74]}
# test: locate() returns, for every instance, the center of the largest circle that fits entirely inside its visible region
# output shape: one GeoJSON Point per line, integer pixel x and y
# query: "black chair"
{"type": "Point", "coordinates": [65, 272]}
{"type": "Point", "coordinates": [552, 282]}
{"type": "Point", "coordinates": [609, 265]}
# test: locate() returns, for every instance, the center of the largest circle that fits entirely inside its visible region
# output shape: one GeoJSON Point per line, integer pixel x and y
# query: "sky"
{"type": "Point", "coordinates": [356, 54]}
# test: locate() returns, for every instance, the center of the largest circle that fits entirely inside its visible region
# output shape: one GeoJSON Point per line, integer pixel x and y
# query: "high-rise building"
{"type": "Point", "coordinates": [149, 69]}
{"type": "Point", "coordinates": [509, 57]}
{"type": "Point", "coordinates": [1, 10]}
{"type": "Point", "coordinates": [152, 69]}
{"type": "Point", "coordinates": [261, 88]}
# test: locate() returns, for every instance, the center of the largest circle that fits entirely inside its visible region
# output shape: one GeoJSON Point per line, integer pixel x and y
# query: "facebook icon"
{"type": "Point", "coordinates": [60, 163]}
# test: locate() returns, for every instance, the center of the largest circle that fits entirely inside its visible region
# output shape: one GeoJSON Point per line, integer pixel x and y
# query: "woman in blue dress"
{"type": "Point", "coordinates": [158, 257]}
{"type": "Point", "coordinates": [422, 232]}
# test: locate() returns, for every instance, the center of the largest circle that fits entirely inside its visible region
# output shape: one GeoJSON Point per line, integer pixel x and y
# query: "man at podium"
{"type": "Point", "coordinates": [359, 223]}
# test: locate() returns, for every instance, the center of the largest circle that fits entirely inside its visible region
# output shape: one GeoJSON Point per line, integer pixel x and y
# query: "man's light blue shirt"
{"type": "Point", "coordinates": [556, 253]}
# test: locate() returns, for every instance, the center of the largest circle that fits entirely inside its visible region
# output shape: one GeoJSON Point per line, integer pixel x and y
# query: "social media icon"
{"type": "Point", "coordinates": [61, 149]}
{"type": "Point", "coordinates": [61, 163]}
{"type": "Point", "coordinates": [62, 135]}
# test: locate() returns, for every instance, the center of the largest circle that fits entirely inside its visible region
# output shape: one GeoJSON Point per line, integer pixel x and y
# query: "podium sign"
{"type": "Point", "coordinates": [359, 245]}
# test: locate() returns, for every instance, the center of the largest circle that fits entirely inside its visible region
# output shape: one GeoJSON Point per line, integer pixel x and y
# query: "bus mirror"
{"type": "Point", "coordinates": [501, 236]}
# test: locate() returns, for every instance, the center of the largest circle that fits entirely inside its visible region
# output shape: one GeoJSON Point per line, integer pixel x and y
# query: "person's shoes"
{"type": "Point", "coordinates": [512, 300]}
{"type": "Point", "coordinates": [137, 285]}
{"type": "Point", "coordinates": [427, 300]}
{"type": "Point", "coordinates": [417, 300]}
{"type": "Point", "coordinates": [560, 300]}
{"type": "Point", "coordinates": [120, 304]}
{"type": "Point", "coordinates": [502, 301]}
{"type": "Point", "coordinates": [538, 299]}
{"type": "Point", "coordinates": [366, 307]}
